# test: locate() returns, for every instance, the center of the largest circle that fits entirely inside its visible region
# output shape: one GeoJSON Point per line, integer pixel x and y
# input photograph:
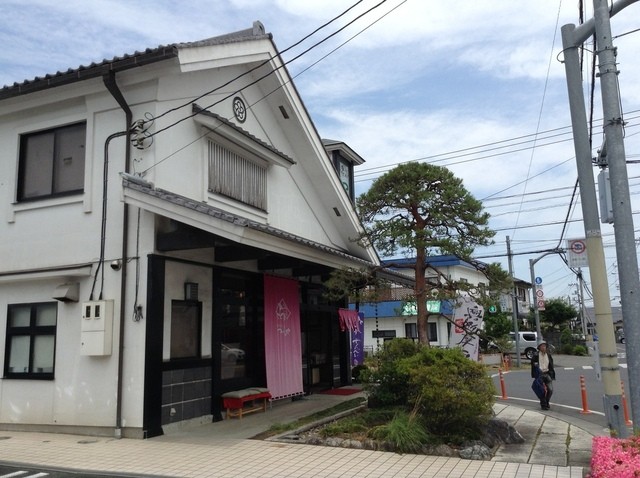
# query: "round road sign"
{"type": "Point", "coordinates": [578, 247]}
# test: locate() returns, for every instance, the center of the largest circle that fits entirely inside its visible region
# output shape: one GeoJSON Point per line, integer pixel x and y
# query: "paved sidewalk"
{"type": "Point", "coordinates": [554, 448]}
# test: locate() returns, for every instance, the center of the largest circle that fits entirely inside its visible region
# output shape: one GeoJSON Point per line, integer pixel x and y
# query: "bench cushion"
{"type": "Point", "coordinates": [245, 392]}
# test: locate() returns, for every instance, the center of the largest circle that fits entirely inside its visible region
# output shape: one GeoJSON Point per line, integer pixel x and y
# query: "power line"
{"type": "Point", "coordinates": [260, 65]}
{"type": "Point", "coordinates": [544, 95]}
{"type": "Point", "coordinates": [280, 86]}
{"type": "Point", "coordinates": [271, 72]}
{"type": "Point", "coordinates": [480, 149]}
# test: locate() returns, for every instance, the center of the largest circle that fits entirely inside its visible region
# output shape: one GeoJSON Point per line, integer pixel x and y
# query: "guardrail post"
{"type": "Point", "coordinates": [503, 387]}
{"type": "Point", "coordinates": [583, 391]}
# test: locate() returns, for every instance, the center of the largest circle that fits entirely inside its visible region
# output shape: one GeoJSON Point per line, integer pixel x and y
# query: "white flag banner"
{"type": "Point", "coordinates": [468, 317]}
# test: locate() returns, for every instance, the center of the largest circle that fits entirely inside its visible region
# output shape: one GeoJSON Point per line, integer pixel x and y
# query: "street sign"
{"type": "Point", "coordinates": [540, 304]}
{"type": "Point", "coordinates": [577, 253]}
{"type": "Point", "coordinates": [540, 293]}
{"type": "Point", "coordinates": [538, 280]}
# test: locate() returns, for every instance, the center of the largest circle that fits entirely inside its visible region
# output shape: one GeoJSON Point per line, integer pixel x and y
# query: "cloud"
{"type": "Point", "coordinates": [458, 83]}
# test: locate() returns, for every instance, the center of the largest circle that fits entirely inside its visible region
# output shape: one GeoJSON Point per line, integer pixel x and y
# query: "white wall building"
{"type": "Point", "coordinates": [390, 317]}
{"type": "Point", "coordinates": [133, 258]}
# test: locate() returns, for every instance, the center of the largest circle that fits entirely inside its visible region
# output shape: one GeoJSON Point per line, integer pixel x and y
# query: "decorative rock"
{"type": "Point", "coordinates": [499, 431]}
{"type": "Point", "coordinates": [334, 441]}
{"type": "Point", "coordinates": [476, 452]}
{"type": "Point", "coordinates": [314, 440]}
{"type": "Point", "coordinates": [443, 450]}
{"type": "Point", "coordinates": [370, 444]}
{"type": "Point", "coordinates": [352, 444]}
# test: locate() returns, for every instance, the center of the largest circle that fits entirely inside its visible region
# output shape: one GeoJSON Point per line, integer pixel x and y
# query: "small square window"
{"type": "Point", "coordinates": [52, 162]}
{"type": "Point", "coordinates": [31, 341]}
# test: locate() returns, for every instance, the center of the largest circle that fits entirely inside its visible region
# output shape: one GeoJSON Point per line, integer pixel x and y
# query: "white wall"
{"type": "Point", "coordinates": [176, 274]}
{"type": "Point", "coordinates": [83, 392]}
{"type": "Point", "coordinates": [398, 324]}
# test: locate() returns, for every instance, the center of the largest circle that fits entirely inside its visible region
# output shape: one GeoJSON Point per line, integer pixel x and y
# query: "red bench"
{"type": "Point", "coordinates": [234, 402]}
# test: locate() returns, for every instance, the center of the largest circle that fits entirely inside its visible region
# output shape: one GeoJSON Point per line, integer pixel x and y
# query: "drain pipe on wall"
{"type": "Point", "coordinates": [109, 80]}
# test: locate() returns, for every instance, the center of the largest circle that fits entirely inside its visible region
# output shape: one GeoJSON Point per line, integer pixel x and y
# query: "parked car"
{"type": "Point", "coordinates": [620, 335]}
{"type": "Point", "coordinates": [528, 344]}
{"type": "Point", "coordinates": [231, 354]}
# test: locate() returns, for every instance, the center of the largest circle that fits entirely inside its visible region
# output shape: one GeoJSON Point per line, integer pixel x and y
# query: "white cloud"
{"type": "Point", "coordinates": [426, 80]}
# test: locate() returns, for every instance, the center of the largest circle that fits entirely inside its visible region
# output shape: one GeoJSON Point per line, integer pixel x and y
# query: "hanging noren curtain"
{"type": "Point", "coordinates": [283, 351]}
{"type": "Point", "coordinates": [353, 321]}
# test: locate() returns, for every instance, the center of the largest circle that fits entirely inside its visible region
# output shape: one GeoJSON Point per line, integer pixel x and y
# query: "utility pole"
{"type": "Point", "coordinates": [579, 299]}
{"type": "Point", "coordinates": [514, 303]}
{"type": "Point", "coordinates": [572, 39]}
{"type": "Point", "coordinates": [623, 220]}
{"type": "Point", "coordinates": [536, 311]}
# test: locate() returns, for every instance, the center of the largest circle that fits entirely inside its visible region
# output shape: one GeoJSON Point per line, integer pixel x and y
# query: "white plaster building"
{"type": "Point", "coordinates": [133, 258]}
{"type": "Point", "coordinates": [390, 318]}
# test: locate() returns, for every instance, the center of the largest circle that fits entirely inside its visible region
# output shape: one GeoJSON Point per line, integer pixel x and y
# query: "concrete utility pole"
{"type": "Point", "coordinates": [572, 39]}
{"type": "Point", "coordinates": [534, 303]}
{"type": "Point", "coordinates": [623, 220]}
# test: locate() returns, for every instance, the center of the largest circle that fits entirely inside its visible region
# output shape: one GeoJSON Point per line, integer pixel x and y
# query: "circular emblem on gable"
{"type": "Point", "coordinates": [239, 109]}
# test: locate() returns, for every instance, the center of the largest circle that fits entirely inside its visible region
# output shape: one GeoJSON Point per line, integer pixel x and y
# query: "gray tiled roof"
{"type": "Point", "coordinates": [125, 62]}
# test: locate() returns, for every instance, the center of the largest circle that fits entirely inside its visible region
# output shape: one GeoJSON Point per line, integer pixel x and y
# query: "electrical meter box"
{"type": "Point", "coordinates": [96, 330]}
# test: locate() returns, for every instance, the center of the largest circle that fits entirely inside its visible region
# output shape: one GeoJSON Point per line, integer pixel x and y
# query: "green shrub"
{"type": "Point", "coordinates": [357, 371]}
{"type": "Point", "coordinates": [360, 422]}
{"type": "Point", "coordinates": [566, 337]}
{"type": "Point", "coordinates": [454, 395]}
{"type": "Point", "coordinates": [353, 424]}
{"type": "Point", "coordinates": [388, 385]}
{"type": "Point", "coordinates": [580, 350]}
{"type": "Point", "coordinates": [404, 433]}
{"type": "Point", "coordinates": [567, 349]}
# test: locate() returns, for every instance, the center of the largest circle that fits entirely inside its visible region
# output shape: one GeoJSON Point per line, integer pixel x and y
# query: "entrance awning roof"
{"type": "Point", "coordinates": [233, 227]}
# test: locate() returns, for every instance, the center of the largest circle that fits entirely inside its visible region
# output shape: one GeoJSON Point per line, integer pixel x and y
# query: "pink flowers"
{"type": "Point", "coordinates": [615, 457]}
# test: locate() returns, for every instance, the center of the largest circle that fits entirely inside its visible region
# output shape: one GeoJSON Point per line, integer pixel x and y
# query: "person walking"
{"type": "Point", "coordinates": [544, 374]}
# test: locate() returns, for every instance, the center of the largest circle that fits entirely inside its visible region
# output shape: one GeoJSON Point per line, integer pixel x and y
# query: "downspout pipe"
{"type": "Point", "coordinates": [109, 80]}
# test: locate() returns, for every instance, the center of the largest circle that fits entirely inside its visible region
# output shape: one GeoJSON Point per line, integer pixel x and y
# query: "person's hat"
{"type": "Point", "coordinates": [541, 343]}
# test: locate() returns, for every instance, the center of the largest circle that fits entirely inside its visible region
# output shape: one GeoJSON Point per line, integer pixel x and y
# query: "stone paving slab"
{"type": "Point", "coordinates": [549, 453]}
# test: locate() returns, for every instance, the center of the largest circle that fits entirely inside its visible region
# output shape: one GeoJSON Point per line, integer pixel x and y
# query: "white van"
{"type": "Point", "coordinates": [528, 343]}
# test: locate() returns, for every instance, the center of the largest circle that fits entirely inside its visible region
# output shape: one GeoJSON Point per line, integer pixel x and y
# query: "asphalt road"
{"type": "Point", "coordinates": [7, 471]}
{"type": "Point", "coordinates": [567, 397]}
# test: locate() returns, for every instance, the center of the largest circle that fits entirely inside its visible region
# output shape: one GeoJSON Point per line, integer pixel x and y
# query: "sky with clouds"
{"type": "Point", "coordinates": [478, 87]}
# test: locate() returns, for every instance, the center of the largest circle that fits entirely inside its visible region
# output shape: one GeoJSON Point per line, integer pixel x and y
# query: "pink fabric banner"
{"type": "Point", "coordinates": [283, 351]}
{"type": "Point", "coordinates": [349, 320]}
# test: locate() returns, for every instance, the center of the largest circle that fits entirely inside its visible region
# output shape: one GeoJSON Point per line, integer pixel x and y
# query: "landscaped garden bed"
{"type": "Point", "coordinates": [420, 400]}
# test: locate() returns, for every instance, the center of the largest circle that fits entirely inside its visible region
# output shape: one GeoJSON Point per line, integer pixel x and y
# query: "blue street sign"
{"type": "Point", "coordinates": [538, 280]}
